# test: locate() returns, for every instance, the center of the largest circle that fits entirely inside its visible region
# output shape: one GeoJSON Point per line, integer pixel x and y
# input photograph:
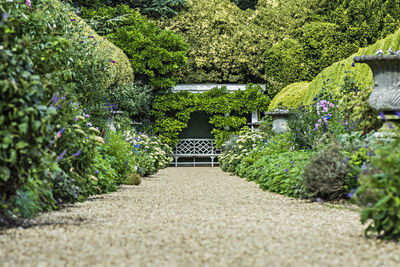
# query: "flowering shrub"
{"type": "Point", "coordinates": [380, 186]}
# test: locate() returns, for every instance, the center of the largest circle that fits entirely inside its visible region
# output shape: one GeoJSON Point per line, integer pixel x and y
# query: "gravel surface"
{"type": "Point", "coordinates": [196, 217]}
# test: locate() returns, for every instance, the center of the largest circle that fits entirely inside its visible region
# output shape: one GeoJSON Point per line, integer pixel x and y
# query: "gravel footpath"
{"type": "Point", "coordinates": [195, 217]}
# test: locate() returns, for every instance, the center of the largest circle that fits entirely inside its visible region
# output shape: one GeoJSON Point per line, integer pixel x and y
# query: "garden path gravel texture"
{"type": "Point", "coordinates": [195, 217]}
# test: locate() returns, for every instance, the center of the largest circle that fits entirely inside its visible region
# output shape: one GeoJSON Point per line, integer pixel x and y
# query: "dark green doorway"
{"type": "Point", "coordinates": [198, 126]}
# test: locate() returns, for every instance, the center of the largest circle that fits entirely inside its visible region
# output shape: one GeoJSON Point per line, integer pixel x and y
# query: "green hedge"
{"type": "Point", "coordinates": [291, 96]}
{"type": "Point", "coordinates": [362, 73]}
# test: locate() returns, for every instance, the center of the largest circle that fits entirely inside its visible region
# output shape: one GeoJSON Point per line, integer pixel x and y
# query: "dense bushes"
{"type": "Point", "coordinates": [150, 8]}
{"type": "Point", "coordinates": [380, 193]}
{"type": "Point", "coordinates": [155, 54]}
{"type": "Point", "coordinates": [54, 77]}
{"type": "Point", "coordinates": [279, 42]}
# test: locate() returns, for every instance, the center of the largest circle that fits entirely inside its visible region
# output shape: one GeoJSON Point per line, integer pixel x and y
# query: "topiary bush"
{"type": "Point", "coordinates": [362, 74]}
{"type": "Point", "coordinates": [325, 175]}
{"type": "Point", "coordinates": [290, 97]}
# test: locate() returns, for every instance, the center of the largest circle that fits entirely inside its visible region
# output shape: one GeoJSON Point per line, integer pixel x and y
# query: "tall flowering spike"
{"type": "Point", "coordinates": [61, 156]}
{"type": "Point", "coordinates": [78, 153]}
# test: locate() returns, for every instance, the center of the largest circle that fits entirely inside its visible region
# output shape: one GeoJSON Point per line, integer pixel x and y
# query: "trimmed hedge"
{"type": "Point", "coordinates": [120, 70]}
{"type": "Point", "coordinates": [291, 96]}
{"type": "Point", "coordinates": [362, 73]}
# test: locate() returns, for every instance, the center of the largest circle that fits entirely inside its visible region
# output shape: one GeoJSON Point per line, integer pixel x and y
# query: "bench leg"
{"type": "Point", "coordinates": [176, 161]}
{"type": "Point", "coordinates": [194, 161]}
{"type": "Point", "coordinates": [212, 161]}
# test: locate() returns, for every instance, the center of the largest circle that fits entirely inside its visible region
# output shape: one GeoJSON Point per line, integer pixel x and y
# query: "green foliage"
{"type": "Point", "coordinates": [172, 111]}
{"type": "Point", "coordinates": [353, 103]}
{"type": "Point", "coordinates": [245, 4]}
{"type": "Point", "coordinates": [133, 179]}
{"type": "Point", "coordinates": [133, 99]}
{"type": "Point", "coordinates": [383, 183]}
{"type": "Point", "coordinates": [226, 45]}
{"type": "Point", "coordinates": [285, 64]}
{"type": "Point", "coordinates": [25, 118]}
{"type": "Point", "coordinates": [150, 8]}
{"type": "Point", "coordinates": [155, 54]}
{"type": "Point", "coordinates": [361, 73]}
{"type": "Point", "coordinates": [291, 96]}
{"type": "Point", "coordinates": [323, 44]}
{"type": "Point", "coordinates": [282, 172]}
{"type": "Point", "coordinates": [325, 175]}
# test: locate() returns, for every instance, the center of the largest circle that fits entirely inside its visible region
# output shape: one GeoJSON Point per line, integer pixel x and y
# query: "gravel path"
{"type": "Point", "coordinates": [195, 217]}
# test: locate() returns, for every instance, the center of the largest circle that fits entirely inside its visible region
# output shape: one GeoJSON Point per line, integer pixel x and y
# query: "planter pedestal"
{"type": "Point", "coordinates": [385, 97]}
{"type": "Point", "coordinates": [279, 120]}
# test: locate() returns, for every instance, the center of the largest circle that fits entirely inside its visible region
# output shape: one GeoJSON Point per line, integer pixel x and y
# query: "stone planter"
{"type": "Point", "coordinates": [279, 120]}
{"type": "Point", "coordinates": [385, 96]}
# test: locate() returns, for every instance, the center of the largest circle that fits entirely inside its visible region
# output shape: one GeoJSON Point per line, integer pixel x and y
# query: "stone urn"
{"type": "Point", "coordinates": [385, 96]}
{"type": "Point", "coordinates": [280, 120]}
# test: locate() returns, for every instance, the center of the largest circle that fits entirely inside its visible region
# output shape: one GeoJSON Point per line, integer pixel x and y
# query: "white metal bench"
{"type": "Point", "coordinates": [196, 148]}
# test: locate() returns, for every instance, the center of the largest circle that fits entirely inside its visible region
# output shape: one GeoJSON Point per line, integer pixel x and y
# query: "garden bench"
{"type": "Point", "coordinates": [196, 148]}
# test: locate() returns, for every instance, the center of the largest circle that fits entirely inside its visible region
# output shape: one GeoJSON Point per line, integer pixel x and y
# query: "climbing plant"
{"type": "Point", "coordinates": [172, 111]}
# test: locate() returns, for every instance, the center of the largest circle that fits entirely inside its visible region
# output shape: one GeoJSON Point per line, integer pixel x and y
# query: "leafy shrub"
{"type": "Point", "coordinates": [155, 54]}
{"type": "Point", "coordinates": [291, 96]}
{"type": "Point", "coordinates": [150, 8]}
{"type": "Point", "coordinates": [323, 44]}
{"type": "Point", "coordinates": [134, 100]}
{"type": "Point", "coordinates": [284, 64]}
{"type": "Point", "coordinates": [226, 45]}
{"type": "Point", "coordinates": [282, 172]}
{"type": "Point", "coordinates": [133, 179]}
{"type": "Point", "coordinates": [325, 176]}
{"type": "Point", "coordinates": [361, 73]}
{"type": "Point", "coordinates": [245, 4]}
{"type": "Point", "coordinates": [353, 103]}
{"type": "Point", "coordinates": [381, 187]}
{"type": "Point", "coordinates": [25, 119]}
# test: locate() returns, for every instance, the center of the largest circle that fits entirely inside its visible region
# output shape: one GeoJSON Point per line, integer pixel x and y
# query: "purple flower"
{"type": "Point", "coordinates": [61, 156]}
{"type": "Point", "coordinates": [78, 153]}
{"type": "Point", "coordinates": [28, 3]}
{"type": "Point", "coordinates": [59, 133]}
{"type": "Point", "coordinates": [390, 126]}
{"type": "Point", "coordinates": [353, 64]}
{"type": "Point", "coordinates": [97, 172]}
{"type": "Point", "coordinates": [287, 171]}
{"type": "Point", "coordinates": [397, 113]}
{"type": "Point", "coordinates": [89, 124]}
{"type": "Point", "coordinates": [81, 42]}
{"type": "Point", "coordinates": [112, 61]}
{"type": "Point", "coordinates": [73, 20]}
{"type": "Point", "coordinates": [382, 115]}
{"type": "Point", "coordinates": [86, 115]}
{"type": "Point", "coordinates": [91, 36]}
